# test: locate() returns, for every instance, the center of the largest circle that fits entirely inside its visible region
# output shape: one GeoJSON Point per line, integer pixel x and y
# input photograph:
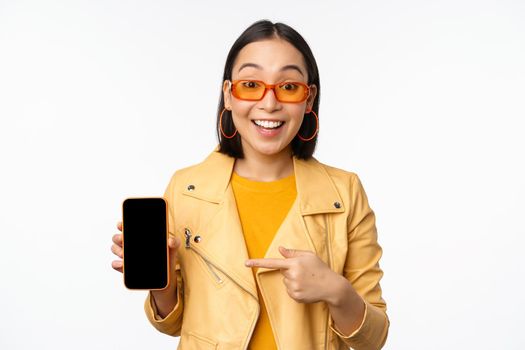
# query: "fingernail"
{"type": "Point", "coordinates": [248, 263]}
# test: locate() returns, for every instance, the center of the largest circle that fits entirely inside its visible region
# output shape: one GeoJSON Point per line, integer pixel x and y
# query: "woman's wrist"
{"type": "Point", "coordinates": [338, 290]}
{"type": "Point", "coordinates": [346, 307]}
{"type": "Point", "coordinates": [165, 300]}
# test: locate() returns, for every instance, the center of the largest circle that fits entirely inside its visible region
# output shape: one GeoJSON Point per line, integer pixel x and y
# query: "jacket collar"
{"type": "Point", "coordinates": [316, 191]}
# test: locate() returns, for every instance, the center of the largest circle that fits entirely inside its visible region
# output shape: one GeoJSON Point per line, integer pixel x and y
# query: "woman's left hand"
{"type": "Point", "coordinates": [306, 277]}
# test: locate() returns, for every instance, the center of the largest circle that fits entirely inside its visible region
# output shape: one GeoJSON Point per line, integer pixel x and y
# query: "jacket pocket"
{"type": "Point", "coordinates": [193, 341]}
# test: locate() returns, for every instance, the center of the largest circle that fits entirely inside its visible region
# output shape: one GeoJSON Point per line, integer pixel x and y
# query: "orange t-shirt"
{"type": "Point", "coordinates": [262, 207]}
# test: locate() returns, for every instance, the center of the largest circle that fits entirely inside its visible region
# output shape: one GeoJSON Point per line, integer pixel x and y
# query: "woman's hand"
{"type": "Point", "coordinates": [308, 280]}
{"type": "Point", "coordinates": [165, 299]}
{"type": "Point", "coordinates": [116, 248]}
{"type": "Point", "coordinates": [306, 277]}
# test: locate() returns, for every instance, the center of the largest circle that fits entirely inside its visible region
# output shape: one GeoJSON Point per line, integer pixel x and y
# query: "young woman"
{"type": "Point", "coordinates": [270, 249]}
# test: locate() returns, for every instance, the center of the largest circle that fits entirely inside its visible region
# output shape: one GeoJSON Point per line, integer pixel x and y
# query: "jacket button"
{"type": "Point", "coordinates": [191, 187]}
{"type": "Point", "coordinates": [337, 205]}
{"type": "Point", "coordinates": [197, 239]}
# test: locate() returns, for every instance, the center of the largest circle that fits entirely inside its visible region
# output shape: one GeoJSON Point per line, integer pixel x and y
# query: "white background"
{"type": "Point", "coordinates": [103, 100]}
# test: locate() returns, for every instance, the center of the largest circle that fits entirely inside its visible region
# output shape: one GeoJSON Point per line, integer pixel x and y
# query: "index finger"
{"type": "Point", "coordinates": [269, 263]}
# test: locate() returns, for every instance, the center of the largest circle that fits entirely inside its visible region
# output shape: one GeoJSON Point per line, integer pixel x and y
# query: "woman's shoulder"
{"type": "Point", "coordinates": [338, 174]}
{"type": "Point", "coordinates": [348, 184]}
{"type": "Point", "coordinates": [213, 170]}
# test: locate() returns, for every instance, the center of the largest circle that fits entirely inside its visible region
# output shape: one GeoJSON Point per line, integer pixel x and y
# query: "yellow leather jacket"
{"type": "Point", "coordinates": [218, 305]}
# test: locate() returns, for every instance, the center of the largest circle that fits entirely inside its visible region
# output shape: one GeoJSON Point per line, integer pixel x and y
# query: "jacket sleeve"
{"type": "Point", "coordinates": [172, 323]}
{"type": "Point", "coordinates": [362, 270]}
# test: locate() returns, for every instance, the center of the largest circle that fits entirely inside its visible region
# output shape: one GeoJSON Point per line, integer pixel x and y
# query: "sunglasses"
{"type": "Point", "coordinates": [254, 90]}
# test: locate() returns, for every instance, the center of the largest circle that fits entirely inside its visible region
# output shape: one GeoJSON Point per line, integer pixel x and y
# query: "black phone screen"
{"type": "Point", "coordinates": [145, 243]}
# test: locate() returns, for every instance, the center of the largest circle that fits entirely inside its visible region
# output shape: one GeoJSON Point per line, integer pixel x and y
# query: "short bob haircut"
{"type": "Point", "coordinates": [258, 31]}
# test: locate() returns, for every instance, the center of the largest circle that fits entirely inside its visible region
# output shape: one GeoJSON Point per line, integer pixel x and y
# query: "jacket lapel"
{"type": "Point", "coordinates": [316, 194]}
{"type": "Point", "coordinates": [221, 232]}
{"type": "Point", "coordinates": [222, 240]}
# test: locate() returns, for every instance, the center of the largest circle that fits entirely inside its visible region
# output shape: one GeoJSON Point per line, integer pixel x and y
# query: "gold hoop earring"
{"type": "Point", "coordinates": [220, 127]}
{"type": "Point", "coordinates": [316, 128]}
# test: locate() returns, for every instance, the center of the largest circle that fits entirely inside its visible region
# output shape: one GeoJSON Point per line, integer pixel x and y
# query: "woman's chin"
{"type": "Point", "coordinates": [265, 147]}
{"type": "Point", "coordinates": [268, 149]}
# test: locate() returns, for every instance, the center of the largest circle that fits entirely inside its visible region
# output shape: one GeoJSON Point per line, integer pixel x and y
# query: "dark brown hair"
{"type": "Point", "coordinates": [258, 31]}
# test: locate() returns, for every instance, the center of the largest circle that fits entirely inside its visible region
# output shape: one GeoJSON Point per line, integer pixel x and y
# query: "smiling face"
{"type": "Point", "coordinates": [267, 127]}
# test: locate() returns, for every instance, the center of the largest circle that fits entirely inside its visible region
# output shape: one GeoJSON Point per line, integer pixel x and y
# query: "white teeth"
{"type": "Point", "coordinates": [268, 124]}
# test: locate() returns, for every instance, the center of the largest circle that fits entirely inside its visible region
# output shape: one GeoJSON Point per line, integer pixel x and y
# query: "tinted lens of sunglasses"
{"type": "Point", "coordinates": [251, 90]}
{"type": "Point", "coordinates": [291, 92]}
{"type": "Point", "coordinates": [248, 90]}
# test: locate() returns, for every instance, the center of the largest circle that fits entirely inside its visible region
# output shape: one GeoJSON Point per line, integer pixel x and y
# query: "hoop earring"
{"type": "Point", "coordinates": [316, 128]}
{"type": "Point", "coordinates": [220, 127]}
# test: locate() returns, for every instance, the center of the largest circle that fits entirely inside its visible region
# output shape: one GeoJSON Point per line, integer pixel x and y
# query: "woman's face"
{"type": "Point", "coordinates": [272, 61]}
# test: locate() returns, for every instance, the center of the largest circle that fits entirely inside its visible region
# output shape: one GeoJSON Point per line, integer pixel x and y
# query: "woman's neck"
{"type": "Point", "coordinates": [261, 167]}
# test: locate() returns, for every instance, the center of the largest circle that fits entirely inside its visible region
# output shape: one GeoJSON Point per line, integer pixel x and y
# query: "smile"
{"type": "Point", "coordinates": [267, 124]}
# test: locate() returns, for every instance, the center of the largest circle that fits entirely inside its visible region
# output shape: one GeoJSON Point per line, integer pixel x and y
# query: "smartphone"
{"type": "Point", "coordinates": [145, 243]}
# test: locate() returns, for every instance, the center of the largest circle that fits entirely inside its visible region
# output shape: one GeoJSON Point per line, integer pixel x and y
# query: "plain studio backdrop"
{"type": "Point", "coordinates": [103, 100]}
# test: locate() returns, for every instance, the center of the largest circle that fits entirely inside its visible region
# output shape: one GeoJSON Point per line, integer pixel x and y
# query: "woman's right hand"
{"type": "Point", "coordinates": [173, 244]}
{"type": "Point", "coordinates": [165, 299]}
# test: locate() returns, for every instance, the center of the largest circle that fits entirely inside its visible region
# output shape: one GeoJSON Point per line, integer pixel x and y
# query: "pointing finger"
{"type": "Point", "coordinates": [268, 263]}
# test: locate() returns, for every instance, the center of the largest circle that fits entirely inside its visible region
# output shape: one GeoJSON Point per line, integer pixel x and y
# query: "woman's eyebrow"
{"type": "Point", "coordinates": [287, 67]}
